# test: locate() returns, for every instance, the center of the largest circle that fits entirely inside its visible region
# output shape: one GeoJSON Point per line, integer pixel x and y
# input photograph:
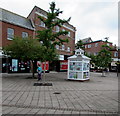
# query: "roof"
{"type": "Point", "coordinates": [86, 40]}
{"type": "Point", "coordinates": [82, 56]}
{"type": "Point", "coordinates": [15, 19]}
{"type": "Point", "coordinates": [43, 12]}
{"type": "Point", "coordinates": [97, 41]}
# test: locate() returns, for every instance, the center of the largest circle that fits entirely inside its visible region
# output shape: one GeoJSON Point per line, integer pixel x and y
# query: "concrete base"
{"type": "Point", "coordinates": [79, 80]}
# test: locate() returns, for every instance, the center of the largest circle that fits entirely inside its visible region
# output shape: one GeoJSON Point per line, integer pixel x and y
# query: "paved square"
{"type": "Point", "coordinates": [97, 96]}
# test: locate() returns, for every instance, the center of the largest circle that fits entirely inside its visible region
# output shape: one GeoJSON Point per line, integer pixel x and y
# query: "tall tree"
{"type": "Point", "coordinates": [104, 57]}
{"type": "Point", "coordinates": [25, 49]}
{"type": "Point", "coordinates": [79, 44]}
{"type": "Point", "coordinates": [48, 36]}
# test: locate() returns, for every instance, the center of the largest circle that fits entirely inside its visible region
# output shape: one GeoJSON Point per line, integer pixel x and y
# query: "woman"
{"type": "Point", "coordinates": [39, 70]}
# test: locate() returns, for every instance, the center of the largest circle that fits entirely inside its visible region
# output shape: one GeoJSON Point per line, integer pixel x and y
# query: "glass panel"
{"type": "Point", "coordinates": [73, 75]}
{"type": "Point", "coordinates": [24, 34]}
{"type": "Point", "coordinates": [10, 33]}
{"type": "Point", "coordinates": [85, 75]}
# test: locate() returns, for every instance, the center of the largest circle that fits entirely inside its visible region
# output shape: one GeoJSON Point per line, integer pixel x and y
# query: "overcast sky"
{"type": "Point", "coordinates": [96, 19]}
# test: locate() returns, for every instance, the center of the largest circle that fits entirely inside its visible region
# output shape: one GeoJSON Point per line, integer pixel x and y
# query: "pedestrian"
{"type": "Point", "coordinates": [39, 70]}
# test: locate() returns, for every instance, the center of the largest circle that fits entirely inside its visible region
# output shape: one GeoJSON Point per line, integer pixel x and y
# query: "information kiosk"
{"type": "Point", "coordinates": [78, 66]}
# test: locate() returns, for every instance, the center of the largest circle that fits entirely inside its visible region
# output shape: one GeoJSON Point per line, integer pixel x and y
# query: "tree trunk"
{"type": "Point", "coordinates": [33, 73]}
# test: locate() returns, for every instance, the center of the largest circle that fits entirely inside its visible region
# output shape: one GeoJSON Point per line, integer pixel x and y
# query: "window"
{"type": "Point", "coordinates": [10, 33]}
{"type": "Point", "coordinates": [61, 57]}
{"type": "Point", "coordinates": [69, 34]}
{"type": "Point", "coordinates": [24, 34]}
{"type": "Point", "coordinates": [96, 44]}
{"type": "Point", "coordinates": [85, 46]}
{"type": "Point", "coordinates": [95, 53]}
{"type": "Point", "coordinates": [57, 28]}
{"type": "Point", "coordinates": [89, 46]}
{"type": "Point", "coordinates": [115, 54]}
{"type": "Point", "coordinates": [63, 29]}
{"type": "Point", "coordinates": [42, 24]}
{"type": "Point", "coordinates": [68, 49]}
{"type": "Point", "coordinates": [89, 53]}
{"type": "Point", "coordinates": [63, 47]}
{"type": "Point", "coordinates": [57, 47]}
{"type": "Point", "coordinates": [108, 44]}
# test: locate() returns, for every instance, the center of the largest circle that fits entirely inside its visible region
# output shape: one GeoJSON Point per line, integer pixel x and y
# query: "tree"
{"type": "Point", "coordinates": [48, 37]}
{"type": "Point", "coordinates": [79, 44]}
{"type": "Point", "coordinates": [104, 57]}
{"type": "Point", "coordinates": [25, 49]}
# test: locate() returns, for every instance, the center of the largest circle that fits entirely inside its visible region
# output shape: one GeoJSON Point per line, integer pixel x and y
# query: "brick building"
{"type": "Point", "coordinates": [93, 47]}
{"type": "Point", "coordinates": [14, 25]}
{"type": "Point", "coordinates": [64, 50]}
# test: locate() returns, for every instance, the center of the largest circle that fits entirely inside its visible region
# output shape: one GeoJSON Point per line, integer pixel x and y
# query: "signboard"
{"type": "Point", "coordinates": [63, 65]}
{"type": "Point", "coordinates": [43, 65]}
{"type": "Point", "coordinates": [14, 65]}
{"type": "Point", "coordinates": [46, 67]}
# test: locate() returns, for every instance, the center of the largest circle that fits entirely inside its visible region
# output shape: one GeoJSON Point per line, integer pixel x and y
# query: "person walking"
{"type": "Point", "coordinates": [39, 70]}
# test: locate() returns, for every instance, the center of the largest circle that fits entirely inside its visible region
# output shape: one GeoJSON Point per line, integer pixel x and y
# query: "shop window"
{"type": "Point", "coordinates": [24, 34]}
{"type": "Point", "coordinates": [10, 34]}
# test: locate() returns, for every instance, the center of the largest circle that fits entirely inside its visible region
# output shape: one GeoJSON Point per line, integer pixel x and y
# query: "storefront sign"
{"type": "Point", "coordinates": [43, 65]}
{"type": "Point", "coordinates": [14, 65]}
{"type": "Point", "coordinates": [63, 65]}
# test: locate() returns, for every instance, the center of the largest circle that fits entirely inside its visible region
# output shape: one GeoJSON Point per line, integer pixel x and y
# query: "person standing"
{"type": "Point", "coordinates": [39, 70]}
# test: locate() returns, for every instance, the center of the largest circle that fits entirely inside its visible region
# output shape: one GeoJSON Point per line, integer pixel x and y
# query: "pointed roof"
{"type": "Point", "coordinates": [15, 19]}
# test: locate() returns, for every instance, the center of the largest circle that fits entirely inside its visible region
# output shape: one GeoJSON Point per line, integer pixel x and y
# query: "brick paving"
{"type": "Point", "coordinates": [97, 96]}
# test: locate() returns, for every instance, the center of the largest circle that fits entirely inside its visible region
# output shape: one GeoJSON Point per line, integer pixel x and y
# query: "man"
{"type": "Point", "coordinates": [39, 70]}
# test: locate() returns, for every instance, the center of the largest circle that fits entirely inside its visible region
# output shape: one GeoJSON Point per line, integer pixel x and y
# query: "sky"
{"type": "Point", "coordinates": [92, 18]}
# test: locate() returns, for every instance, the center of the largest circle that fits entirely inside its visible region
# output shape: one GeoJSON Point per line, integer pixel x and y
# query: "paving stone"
{"type": "Point", "coordinates": [97, 94]}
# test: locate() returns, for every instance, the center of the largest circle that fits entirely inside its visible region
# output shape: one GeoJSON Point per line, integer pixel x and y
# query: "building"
{"type": "Point", "coordinates": [64, 50]}
{"type": "Point", "coordinates": [93, 47]}
{"type": "Point", "coordinates": [14, 25]}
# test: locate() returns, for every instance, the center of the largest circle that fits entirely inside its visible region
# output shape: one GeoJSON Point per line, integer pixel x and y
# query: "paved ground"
{"type": "Point", "coordinates": [97, 96]}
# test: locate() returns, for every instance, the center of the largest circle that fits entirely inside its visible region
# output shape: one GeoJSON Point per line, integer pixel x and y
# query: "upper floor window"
{"type": "Point", "coordinates": [68, 49]}
{"type": "Point", "coordinates": [63, 47]}
{"type": "Point", "coordinates": [115, 54]}
{"type": "Point", "coordinates": [85, 46]}
{"type": "Point", "coordinates": [108, 44]}
{"type": "Point", "coordinates": [57, 47]}
{"type": "Point", "coordinates": [89, 46]}
{"type": "Point", "coordinates": [24, 34]}
{"type": "Point", "coordinates": [96, 44]}
{"type": "Point", "coordinates": [69, 34]}
{"type": "Point", "coordinates": [95, 53]}
{"type": "Point", "coordinates": [10, 34]}
{"type": "Point", "coordinates": [63, 29]}
{"type": "Point", "coordinates": [57, 29]}
{"type": "Point", "coordinates": [42, 24]}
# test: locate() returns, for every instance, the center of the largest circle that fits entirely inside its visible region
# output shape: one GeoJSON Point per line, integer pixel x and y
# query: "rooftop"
{"type": "Point", "coordinates": [15, 19]}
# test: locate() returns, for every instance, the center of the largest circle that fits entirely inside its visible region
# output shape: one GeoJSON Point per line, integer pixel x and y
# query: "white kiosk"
{"type": "Point", "coordinates": [78, 66]}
